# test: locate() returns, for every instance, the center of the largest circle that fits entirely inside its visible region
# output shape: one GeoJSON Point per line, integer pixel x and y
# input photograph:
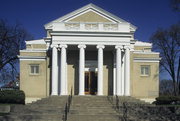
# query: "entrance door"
{"type": "Point", "coordinates": [91, 82]}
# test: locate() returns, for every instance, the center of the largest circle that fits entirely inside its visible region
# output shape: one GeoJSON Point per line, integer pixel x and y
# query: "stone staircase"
{"type": "Point", "coordinates": [92, 108]}
{"type": "Point", "coordinates": [89, 108]}
{"type": "Point", "coordinates": [46, 109]}
{"type": "Point", "coordinates": [83, 108]}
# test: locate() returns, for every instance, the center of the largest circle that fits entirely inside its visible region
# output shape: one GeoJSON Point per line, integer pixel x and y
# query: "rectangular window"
{"type": "Point", "coordinates": [34, 69]}
{"type": "Point", "coordinates": [145, 70]}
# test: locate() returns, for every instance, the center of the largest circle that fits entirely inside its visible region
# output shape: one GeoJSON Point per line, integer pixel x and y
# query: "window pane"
{"type": "Point", "coordinates": [37, 69]}
{"type": "Point", "coordinates": [32, 69]}
{"type": "Point", "coordinates": [146, 71]}
{"type": "Point", "coordinates": [142, 70]}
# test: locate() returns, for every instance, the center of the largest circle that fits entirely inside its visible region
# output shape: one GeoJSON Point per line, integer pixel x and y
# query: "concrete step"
{"type": "Point", "coordinates": [35, 117]}
{"type": "Point", "coordinates": [83, 108]}
{"type": "Point", "coordinates": [94, 117]}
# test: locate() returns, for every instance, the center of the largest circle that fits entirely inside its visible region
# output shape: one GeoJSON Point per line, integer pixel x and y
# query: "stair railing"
{"type": "Point", "coordinates": [67, 107]}
{"type": "Point", "coordinates": [125, 111]}
{"type": "Point", "coordinates": [114, 102]}
{"type": "Point", "coordinates": [116, 105]}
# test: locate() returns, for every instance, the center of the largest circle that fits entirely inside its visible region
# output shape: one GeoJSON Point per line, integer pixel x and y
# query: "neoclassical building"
{"type": "Point", "coordinates": [91, 52]}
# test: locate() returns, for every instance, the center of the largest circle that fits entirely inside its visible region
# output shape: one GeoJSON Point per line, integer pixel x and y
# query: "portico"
{"type": "Point", "coordinates": [106, 31]}
{"type": "Point", "coordinates": [122, 84]}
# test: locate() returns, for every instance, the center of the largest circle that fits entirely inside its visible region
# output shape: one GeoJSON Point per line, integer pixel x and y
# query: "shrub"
{"type": "Point", "coordinates": [165, 100]}
{"type": "Point", "coordinates": [12, 96]}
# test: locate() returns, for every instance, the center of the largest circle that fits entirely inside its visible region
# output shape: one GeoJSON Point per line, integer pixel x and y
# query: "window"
{"type": "Point", "coordinates": [145, 70]}
{"type": "Point", "coordinates": [34, 69]}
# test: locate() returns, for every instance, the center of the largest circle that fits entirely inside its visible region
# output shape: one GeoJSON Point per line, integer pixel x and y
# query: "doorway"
{"type": "Point", "coordinates": [90, 82]}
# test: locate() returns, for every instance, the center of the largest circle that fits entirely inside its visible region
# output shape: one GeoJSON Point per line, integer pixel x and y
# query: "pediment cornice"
{"type": "Point", "coordinates": [89, 7]}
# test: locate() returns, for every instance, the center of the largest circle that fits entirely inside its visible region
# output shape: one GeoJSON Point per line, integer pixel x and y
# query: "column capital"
{"type": "Point", "coordinates": [53, 46]}
{"type": "Point", "coordinates": [82, 46]}
{"type": "Point", "coordinates": [127, 47]}
{"type": "Point", "coordinates": [100, 46]}
{"type": "Point", "coordinates": [63, 46]}
{"type": "Point", "coordinates": [119, 47]}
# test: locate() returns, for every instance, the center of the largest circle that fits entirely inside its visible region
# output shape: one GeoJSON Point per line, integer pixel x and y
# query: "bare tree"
{"type": "Point", "coordinates": [12, 39]}
{"type": "Point", "coordinates": [166, 41]}
{"type": "Point", "coordinates": [166, 87]}
{"type": "Point", "coordinates": [175, 5]}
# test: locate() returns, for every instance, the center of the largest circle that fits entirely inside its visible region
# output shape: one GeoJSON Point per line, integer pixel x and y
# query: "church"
{"type": "Point", "coordinates": [89, 52]}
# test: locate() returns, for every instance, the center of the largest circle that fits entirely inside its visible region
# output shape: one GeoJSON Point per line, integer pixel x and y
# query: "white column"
{"type": "Point", "coordinates": [100, 69]}
{"type": "Point", "coordinates": [63, 85]}
{"type": "Point", "coordinates": [118, 71]}
{"type": "Point", "coordinates": [114, 74]}
{"type": "Point", "coordinates": [54, 84]}
{"type": "Point", "coordinates": [127, 71]}
{"type": "Point", "coordinates": [123, 81]}
{"type": "Point", "coordinates": [81, 68]}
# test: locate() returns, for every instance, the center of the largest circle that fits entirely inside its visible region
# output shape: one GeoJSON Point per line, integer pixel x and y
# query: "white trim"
{"type": "Point", "coordinates": [90, 10]}
{"type": "Point", "coordinates": [32, 59]}
{"type": "Point", "coordinates": [93, 34]}
{"type": "Point", "coordinates": [90, 40]}
{"type": "Point", "coordinates": [34, 50]}
{"type": "Point", "coordinates": [39, 41]}
{"type": "Point", "coordinates": [145, 52]}
{"type": "Point", "coordinates": [140, 43]}
{"type": "Point", "coordinates": [148, 60]}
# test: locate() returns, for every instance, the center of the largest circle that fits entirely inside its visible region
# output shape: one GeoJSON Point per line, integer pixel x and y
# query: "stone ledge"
{"type": "Point", "coordinates": [31, 99]}
{"type": "Point", "coordinates": [148, 100]}
{"type": "Point", "coordinates": [4, 108]}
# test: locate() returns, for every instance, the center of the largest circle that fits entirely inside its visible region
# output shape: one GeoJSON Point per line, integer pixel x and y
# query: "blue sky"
{"type": "Point", "coordinates": [147, 15]}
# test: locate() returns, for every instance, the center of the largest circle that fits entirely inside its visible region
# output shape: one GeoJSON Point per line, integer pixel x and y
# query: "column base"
{"type": "Point", "coordinates": [63, 93]}
{"type": "Point", "coordinates": [100, 94]}
{"type": "Point", "coordinates": [120, 95]}
{"type": "Point", "coordinates": [53, 93]}
{"type": "Point", "coordinates": [81, 93]}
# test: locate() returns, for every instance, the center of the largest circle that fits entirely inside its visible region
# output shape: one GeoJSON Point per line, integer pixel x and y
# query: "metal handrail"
{"type": "Point", "coordinates": [67, 107]}
{"type": "Point", "coordinates": [124, 111]}
{"type": "Point", "coordinates": [116, 104]}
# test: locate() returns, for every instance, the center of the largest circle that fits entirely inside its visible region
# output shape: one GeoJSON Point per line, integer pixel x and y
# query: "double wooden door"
{"type": "Point", "coordinates": [91, 82]}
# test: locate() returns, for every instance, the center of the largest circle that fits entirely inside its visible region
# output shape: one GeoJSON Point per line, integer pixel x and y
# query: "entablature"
{"type": "Point", "coordinates": [91, 27]}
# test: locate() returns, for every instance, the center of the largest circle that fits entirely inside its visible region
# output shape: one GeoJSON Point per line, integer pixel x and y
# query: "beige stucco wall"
{"type": "Point", "coordinates": [33, 54]}
{"type": "Point", "coordinates": [36, 46]}
{"type": "Point", "coordinates": [144, 55]}
{"type": "Point", "coordinates": [141, 47]}
{"type": "Point", "coordinates": [144, 86]}
{"type": "Point", "coordinates": [89, 17]}
{"type": "Point", "coordinates": [33, 85]}
{"type": "Point", "coordinates": [72, 71]}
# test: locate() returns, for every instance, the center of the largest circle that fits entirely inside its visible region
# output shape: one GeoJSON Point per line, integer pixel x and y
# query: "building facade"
{"type": "Point", "coordinates": [89, 52]}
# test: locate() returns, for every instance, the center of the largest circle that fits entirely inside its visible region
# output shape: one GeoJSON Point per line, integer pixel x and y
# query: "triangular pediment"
{"type": "Point", "coordinates": [90, 16]}
{"type": "Point", "coordinates": [88, 13]}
